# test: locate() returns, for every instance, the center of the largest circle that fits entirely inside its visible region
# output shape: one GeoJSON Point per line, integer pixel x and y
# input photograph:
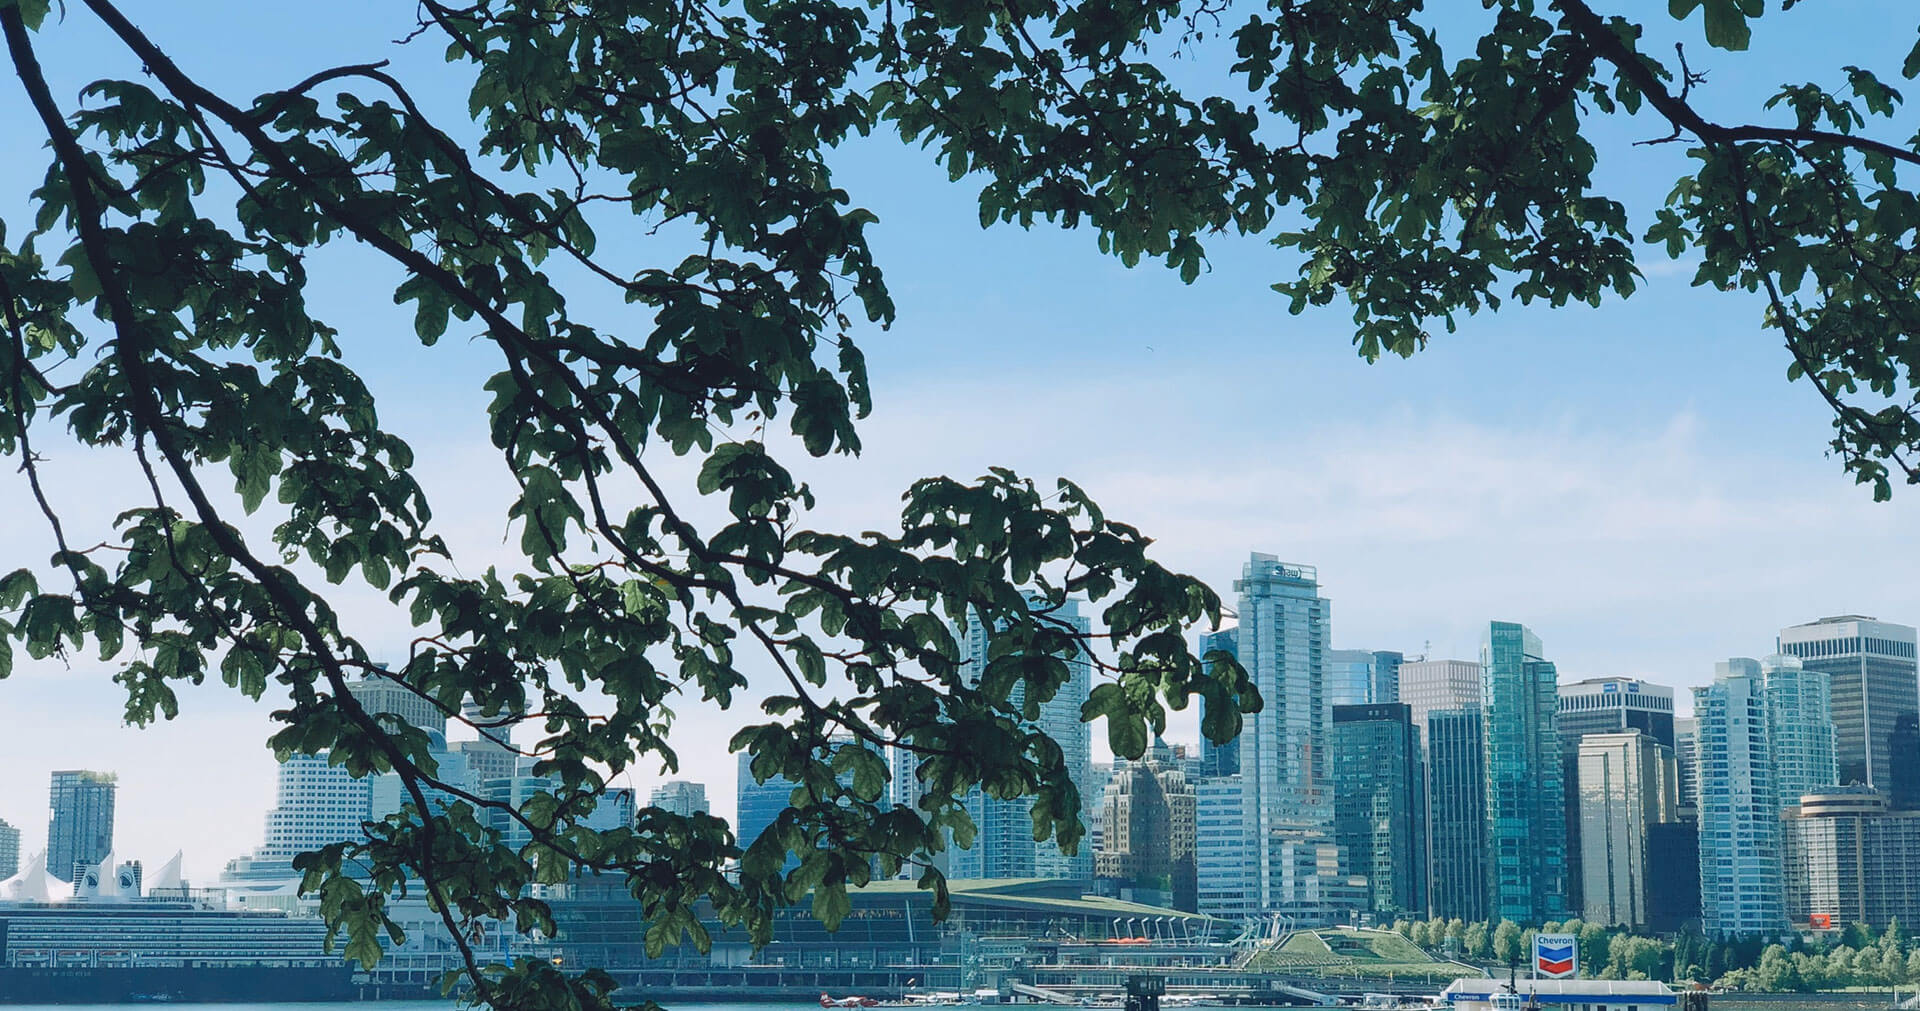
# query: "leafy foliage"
{"type": "Point", "coordinates": [158, 301]}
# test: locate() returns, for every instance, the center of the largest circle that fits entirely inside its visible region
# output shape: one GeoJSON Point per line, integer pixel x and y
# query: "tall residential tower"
{"type": "Point", "coordinates": [1800, 727]}
{"type": "Point", "coordinates": [1740, 847]}
{"type": "Point", "coordinates": [80, 823]}
{"type": "Point", "coordinates": [1283, 643]}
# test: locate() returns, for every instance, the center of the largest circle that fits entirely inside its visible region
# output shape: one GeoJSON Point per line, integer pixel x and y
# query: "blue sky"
{"type": "Point", "coordinates": [1638, 482]}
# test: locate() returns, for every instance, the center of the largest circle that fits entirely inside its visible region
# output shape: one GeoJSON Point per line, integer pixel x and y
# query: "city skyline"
{"type": "Point", "coordinates": [1765, 731]}
{"type": "Point", "coordinates": [1617, 495]}
{"type": "Point", "coordinates": [719, 783]}
{"type": "Point", "coordinates": [509, 551]}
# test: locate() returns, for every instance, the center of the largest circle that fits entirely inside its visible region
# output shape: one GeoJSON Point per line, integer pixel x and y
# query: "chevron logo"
{"type": "Point", "coordinates": [1555, 955]}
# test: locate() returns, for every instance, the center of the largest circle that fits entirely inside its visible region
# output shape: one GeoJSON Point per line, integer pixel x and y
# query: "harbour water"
{"type": "Point", "coordinates": [1722, 1002]}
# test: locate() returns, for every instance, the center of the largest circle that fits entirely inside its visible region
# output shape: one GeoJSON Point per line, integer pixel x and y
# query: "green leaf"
{"type": "Point", "coordinates": [33, 13]}
{"type": "Point", "coordinates": [1726, 25]}
{"type": "Point", "coordinates": [831, 905]}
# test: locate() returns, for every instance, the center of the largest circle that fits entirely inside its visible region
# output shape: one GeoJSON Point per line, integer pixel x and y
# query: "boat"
{"type": "Point", "coordinates": [1483, 994]}
{"type": "Point", "coordinates": [162, 951]}
{"type": "Point", "coordinates": [1400, 1002]}
{"type": "Point", "coordinates": [837, 1002]}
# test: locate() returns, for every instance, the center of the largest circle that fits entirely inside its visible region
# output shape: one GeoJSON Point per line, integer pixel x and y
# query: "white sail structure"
{"type": "Point", "coordinates": [95, 881]}
{"type": "Point", "coordinates": [168, 876]}
{"type": "Point", "coordinates": [29, 885]}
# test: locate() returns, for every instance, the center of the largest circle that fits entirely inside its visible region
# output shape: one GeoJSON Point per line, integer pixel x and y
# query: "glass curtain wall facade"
{"type": "Point", "coordinates": [1456, 815]}
{"type": "Point", "coordinates": [1800, 727]}
{"type": "Point", "coordinates": [1741, 885]}
{"type": "Point", "coordinates": [1904, 764]}
{"type": "Point", "coordinates": [1349, 677]}
{"type": "Point", "coordinates": [1386, 676]}
{"type": "Point", "coordinates": [1526, 806]}
{"type": "Point", "coordinates": [1218, 759]}
{"type": "Point", "coordinates": [1626, 788]}
{"type": "Point", "coordinates": [1004, 846]}
{"type": "Point", "coordinates": [1874, 681]}
{"type": "Point", "coordinates": [1379, 806]}
{"type": "Point", "coordinates": [1283, 639]}
{"type": "Point", "coordinates": [1602, 706]}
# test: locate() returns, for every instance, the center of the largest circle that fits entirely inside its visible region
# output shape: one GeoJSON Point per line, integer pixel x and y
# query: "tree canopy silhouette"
{"type": "Point", "coordinates": [158, 301]}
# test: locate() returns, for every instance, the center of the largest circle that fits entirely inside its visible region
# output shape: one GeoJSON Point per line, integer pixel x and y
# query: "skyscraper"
{"type": "Point", "coordinates": [1874, 681]}
{"type": "Point", "coordinates": [1004, 846]}
{"type": "Point", "coordinates": [1526, 809]}
{"type": "Point", "coordinates": [1379, 808]}
{"type": "Point", "coordinates": [516, 790]}
{"type": "Point", "coordinates": [1386, 675]}
{"type": "Point", "coordinates": [1427, 685]}
{"type": "Point", "coordinates": [758, 805]}
{"type": "Point", "coordinates": [1903, 766]}
{"type": "Point", "coordinates": [1602, 706]}
{"type": "Point", "coordinates": [1349, 677]}
{"type": "Point", "coordinates": [1799, 728]}
{"type": "Point", "coordinates": [490, 757]}
{"type": "Point", "coordinates": [1740, 851]}
{"type": "Point", "coordinates": [9, 850]}
{"type": "Point", "coordinates": [1219, 759]}
{"type": "Point", "coordinates": [1363, 677]}
{"type": "Point", "coordinates": [615, 809]}
{"type": "Point", "coordinates": [1147, 844]}
{"type": "Point", "coordinates": [80, 825]}
{"type": "Point", "coordinates": [1611, 706]}
{"type": "Point", "coordinates": [316, 804]}
{"type": "Point", "coordinates": [1226, 862]}
{"type": "Point", "coordinates": [381, 693]}
{"type": "Point", "coordinates": [1626, 787]}
{"type": "Point", "coordinates": [678, 796]}
{"type": "Point", "coordinates": [1456, 814]}
{"type": "Point", "coordinates": [1283, 639]}
{"type": "Point", "coordinates": [1686, 755]}
{"type": "Point", "coordinates": [1673, 875]}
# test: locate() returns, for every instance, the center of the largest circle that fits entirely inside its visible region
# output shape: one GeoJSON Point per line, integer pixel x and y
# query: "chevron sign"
{"type": "Point", "coordinates": [1556, 955]}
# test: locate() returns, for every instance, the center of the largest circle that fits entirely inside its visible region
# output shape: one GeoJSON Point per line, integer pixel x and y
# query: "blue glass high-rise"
{"type": "Point", "coordinates": [1456, 814]}
{"type": "Point", "coordinates": [1526, 807]}
{"type": "Point", "coordinates": [1003, 846]}
{"type": "Point", "coordinates": [1379, 807]}
{"type": "Point", "coordinates": [1218, 759]}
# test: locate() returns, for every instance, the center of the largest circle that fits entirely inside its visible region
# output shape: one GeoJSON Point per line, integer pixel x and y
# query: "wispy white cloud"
{"type": "Point", "coordinates": [1649, 546]}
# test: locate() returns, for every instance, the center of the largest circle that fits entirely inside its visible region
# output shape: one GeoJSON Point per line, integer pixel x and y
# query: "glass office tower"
{"type": "Point", "coordinates": [1526, 809]}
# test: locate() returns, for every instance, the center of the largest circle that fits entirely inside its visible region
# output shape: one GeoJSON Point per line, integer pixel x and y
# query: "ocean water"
{"type": "Point", "coordinates": [1724, 1002]}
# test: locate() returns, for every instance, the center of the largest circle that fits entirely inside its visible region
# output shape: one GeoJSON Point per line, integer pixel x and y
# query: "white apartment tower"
{"type": "Point", "coordinates": [1741, 883]}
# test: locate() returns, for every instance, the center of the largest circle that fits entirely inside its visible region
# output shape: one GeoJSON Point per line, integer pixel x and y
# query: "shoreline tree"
{"type": "Point", "coordinates": [157, 303]}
